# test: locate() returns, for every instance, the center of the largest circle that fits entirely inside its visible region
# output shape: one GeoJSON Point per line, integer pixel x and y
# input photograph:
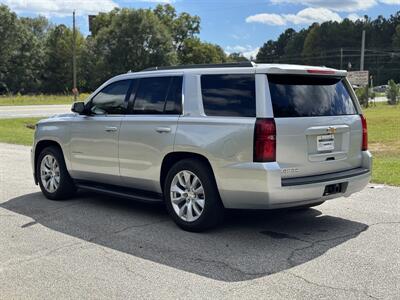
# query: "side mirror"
{"type": "Point", "coordinates": [78, 107]}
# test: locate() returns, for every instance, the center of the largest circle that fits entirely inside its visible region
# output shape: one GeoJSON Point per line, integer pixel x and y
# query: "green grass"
{"type": "Point", "coordinates": [383, 132]}
{"type": "Point", "coordinates": [17, 131]}
{"type": "Point", "coordinates": [38, 99]}
{"type": "Point", "coordinates": [384, 142]}
{"type": "Point", "coordinates": [381, 94]}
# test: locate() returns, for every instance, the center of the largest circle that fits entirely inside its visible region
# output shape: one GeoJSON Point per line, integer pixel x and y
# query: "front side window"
{"type": "Point", "coordinates": [231, 95]}
{"type": "Point", "coordinates": [159, 95]}
{"type": "Point", "coordinates": [309, 96]}
{"type": "Point", "coordinates": [111, 99]}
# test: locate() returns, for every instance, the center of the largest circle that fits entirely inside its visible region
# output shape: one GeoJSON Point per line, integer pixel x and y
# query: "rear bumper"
{"type": "Point", "coordinates": [268, 190]}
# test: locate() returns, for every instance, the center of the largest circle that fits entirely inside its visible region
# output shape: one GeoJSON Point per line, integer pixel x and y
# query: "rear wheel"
{"type": "Point", "coordinates": [192, 197]}
{"type": "Point", "coordinates": [53, 177]}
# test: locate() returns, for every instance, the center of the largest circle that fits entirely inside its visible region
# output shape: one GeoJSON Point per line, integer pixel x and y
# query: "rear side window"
{"type": "Point", "coordinates": [173, 104]}
{"type": "Point", "coordinates": [309, 96]}
{"type": "Point", "coordinates": [230, 95]}
{"type": "Point", "coordinates": [158, 95]}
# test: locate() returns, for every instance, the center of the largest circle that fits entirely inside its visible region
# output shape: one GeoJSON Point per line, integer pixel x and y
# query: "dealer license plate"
{"type": "Point", "coordinates": [325, 142]}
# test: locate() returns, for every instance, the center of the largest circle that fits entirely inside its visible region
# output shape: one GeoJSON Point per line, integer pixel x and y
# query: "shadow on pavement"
{"type": "Point", "coordinates": [248, 245]}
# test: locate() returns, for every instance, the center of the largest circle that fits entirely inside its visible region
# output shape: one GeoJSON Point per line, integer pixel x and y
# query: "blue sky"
{"type": "Point", "coordinates": [236, 25]}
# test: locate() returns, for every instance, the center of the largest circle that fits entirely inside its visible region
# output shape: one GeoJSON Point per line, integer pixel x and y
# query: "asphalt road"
{"type": "Point", "coordinates": [97, 247]}
{"type": "Point", "coordinates": [27, 111]}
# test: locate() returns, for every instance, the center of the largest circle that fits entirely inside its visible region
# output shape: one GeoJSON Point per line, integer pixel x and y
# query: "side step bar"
{"type": "Point", "coordinates": [123, 192]}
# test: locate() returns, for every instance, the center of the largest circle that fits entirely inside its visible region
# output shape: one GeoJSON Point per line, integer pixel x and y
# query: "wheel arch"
{"type": "Point", "coordinates": [173, 157]}
{"type": "Point", "coordinates": [39, 148]}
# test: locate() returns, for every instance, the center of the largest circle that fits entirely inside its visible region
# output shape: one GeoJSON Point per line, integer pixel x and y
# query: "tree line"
{"type": "Point", "coordinates": [36, 56]}
{"type": "Point", "coordinates": [338, 45]}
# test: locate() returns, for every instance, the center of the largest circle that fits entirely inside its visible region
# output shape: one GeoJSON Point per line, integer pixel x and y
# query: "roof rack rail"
{"type": "Point", "coordinates": [242, 64]}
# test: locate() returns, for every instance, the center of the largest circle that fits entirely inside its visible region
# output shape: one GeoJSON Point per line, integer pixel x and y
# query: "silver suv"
{"type": "Point", "coordinates": [208, 137]}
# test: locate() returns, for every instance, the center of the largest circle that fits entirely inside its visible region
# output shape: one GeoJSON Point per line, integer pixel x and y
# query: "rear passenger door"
{"type": "Point", "coordinates": [148, 130]}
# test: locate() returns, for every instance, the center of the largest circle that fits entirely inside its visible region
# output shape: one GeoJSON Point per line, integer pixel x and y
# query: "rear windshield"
{"type": "Point", "coordinates": [309, 96]}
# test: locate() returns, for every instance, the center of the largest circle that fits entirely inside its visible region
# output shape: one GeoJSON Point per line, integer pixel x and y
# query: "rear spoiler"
{"type": "Point", "coordinates": [316, 71]}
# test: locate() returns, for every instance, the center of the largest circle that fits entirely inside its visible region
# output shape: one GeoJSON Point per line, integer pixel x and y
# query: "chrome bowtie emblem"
{"type": "Point", "coordinates": [331, 130]}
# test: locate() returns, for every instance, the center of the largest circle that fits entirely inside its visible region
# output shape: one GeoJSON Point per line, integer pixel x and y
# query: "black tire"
{"type": "Point", "coordinates": [305, 207]}
{"type": "Point", "coordinates": [213, 211]}
{"type": "Point", "coordinates": [66, 188]}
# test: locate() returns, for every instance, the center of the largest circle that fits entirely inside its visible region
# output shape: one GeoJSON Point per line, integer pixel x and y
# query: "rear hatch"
{"type": "Point", "coordinates": [318, 127]}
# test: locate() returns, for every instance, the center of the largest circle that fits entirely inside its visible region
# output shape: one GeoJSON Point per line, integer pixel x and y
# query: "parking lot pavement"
{"type": "Point", "coordinates": [30, 111]}
{"type": "Point", "coordinates": [99, 247]}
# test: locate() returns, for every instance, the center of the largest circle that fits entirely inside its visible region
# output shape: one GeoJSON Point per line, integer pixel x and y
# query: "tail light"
{"type": "Point", "coordinates": [265, 140]}
{"type": "Point", "coordinates": [364, 146]}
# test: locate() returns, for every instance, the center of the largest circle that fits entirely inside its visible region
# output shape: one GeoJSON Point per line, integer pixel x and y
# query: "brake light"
{"type": "Point", "coordinates": [364, 146]}
{"type": "Point", "coordinates": [264, 140]}
{"type": "Point", "coordinates": [325, 72]}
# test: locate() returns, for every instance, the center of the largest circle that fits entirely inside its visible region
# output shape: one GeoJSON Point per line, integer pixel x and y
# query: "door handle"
{"type": "Point", "coordinates": [110, 129]}
{"type": "Point", "coordinates": [163, 129]}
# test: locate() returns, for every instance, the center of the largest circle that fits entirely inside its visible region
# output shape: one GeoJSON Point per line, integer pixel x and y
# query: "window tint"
{"type": "Point", "coordinates": [229, 95]}
{"type": "Point", "coordinates": [309, 96]}
{"type": "Point", "coordinates": [111, 99]}
{"type": "Point", "coordinates": [174, 98]}
{"type": "Point", "coordinates": [151, 95]}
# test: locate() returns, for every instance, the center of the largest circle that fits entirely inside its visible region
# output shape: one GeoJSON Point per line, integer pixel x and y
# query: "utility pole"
{"type": "Point", "coordinates": [341, 58]}
{"type": "Point", "coordinates": [362, 51]}
{"type": "Point", "coordinates": [74, 89]}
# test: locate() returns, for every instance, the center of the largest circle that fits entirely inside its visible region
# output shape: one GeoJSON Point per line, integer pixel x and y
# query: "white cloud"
{"type": "Point", "coordinates": [61, 7]}
{"type": "Point", "coordinates": [311, 15]}
{"type": "Point", "coordinates": [354, 17]}
{"type": "Point", "coordinates": [336, 5]}
{"type": "Point", "coordinates": [269, 19]}
{"type": "Point", "coordinates": [251, 53]}
{"type": "Point", "coordinates": [306, 16]}
{"type": "Point", "coordinates": [247, 50]}
{"type": "Point", "coordinates": [391, 2]}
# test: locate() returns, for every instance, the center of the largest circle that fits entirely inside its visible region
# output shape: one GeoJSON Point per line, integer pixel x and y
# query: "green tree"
{"type": "Point", "coordinates": [134, 40]}
{"type": "Point", "coordinates": [102, 20]}
{"type": "Point", "coordinates": [396, 38]}
{"type": "Point", "coordinates": [267, 52]}
{"type": "Point", "coordinates": [392, 92]}
{"type": "Point", "coordinates": [57, 74]}
{"type": "Point", "coordinates": [195, 51]}
{"type": "Point", "coordinates": [181, 27]}
{"type": "Point", "coordinates": [8, 38]}
{"type": "Point", "coordinates": [29, 55]}
{"type": "Point", "coordinates": [37, 26]}
{"type": "Point", "coordinates": [312, 45]}
{"type": "Point", "coordinates": [295, 46]}
{"type": "Point", "coordinates": [237, 57]}
{"type": "Point", "coordinates": [362, 96]}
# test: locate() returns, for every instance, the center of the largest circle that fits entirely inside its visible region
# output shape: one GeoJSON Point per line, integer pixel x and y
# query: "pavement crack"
{"type": "Point", "coordinates": [100, 236]}
{"type": "Point", "coordinates": [329, 286]}
{"type": "Point", "coordinates": [138, 226]}
{"type": "Point", "coordinates": [230, 267]}
{"type": "Point", "coordinates": [39, 255]}
{"type": "Point", "coordinates": [312, 244]}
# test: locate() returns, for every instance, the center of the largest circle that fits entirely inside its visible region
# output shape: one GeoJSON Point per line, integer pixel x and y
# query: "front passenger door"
{"type": "Point", "coordinates": [94, 137]}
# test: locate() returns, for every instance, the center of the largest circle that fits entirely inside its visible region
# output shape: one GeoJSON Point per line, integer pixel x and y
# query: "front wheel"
{"type": "Point", "coordinates": [53, 176]}
{"type": "Point", "coordinates": [192, 197]}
